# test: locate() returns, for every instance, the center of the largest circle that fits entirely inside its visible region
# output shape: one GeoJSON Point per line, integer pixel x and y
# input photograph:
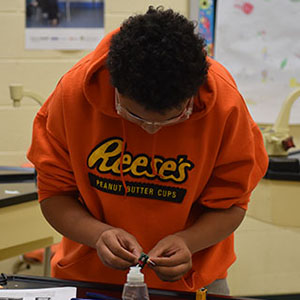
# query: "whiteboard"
{"type": "Point", "coordinates": [258, 41]}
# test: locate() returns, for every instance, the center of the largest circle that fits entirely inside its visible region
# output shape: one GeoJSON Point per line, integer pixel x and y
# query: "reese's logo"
{"type": "Point", "coordinates": [107, 155]}
{"type": "Point", "coordinates": [106, 158]}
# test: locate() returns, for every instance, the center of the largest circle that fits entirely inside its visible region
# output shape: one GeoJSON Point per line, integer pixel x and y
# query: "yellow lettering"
{"type": "Point", "coordinates": [182, 170]}
{"type": "Point", "coordinates": [127, 159]}
{"type": "Point", "coordinates": [140, 161]}
{"type": "Point", "coordinates": [107, 156]}
{"type": "Point", "coordinates": [168, 165]}
{"type": "Point", "coordinates": [102, 155]}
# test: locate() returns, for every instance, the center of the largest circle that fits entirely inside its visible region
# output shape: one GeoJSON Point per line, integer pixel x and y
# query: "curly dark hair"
{"type": "Point", "coordinates": [157, 60]}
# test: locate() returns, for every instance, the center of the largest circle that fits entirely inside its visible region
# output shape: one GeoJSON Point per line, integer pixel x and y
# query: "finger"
{"type": "Point", "coordinates": [164, 249]}
{"type": "Point", "coordinates": [111, 260]}
{"type": "Point", "coordinates": [171, 261]}
{"type": "Point", "coordinates": [118, 250]}
{"type": "Point", "coordinates": [167, 261]}
{"type": "Point", "coordinates": [157, 251]}
{"type": "Point", "coordinates": [131, 245]}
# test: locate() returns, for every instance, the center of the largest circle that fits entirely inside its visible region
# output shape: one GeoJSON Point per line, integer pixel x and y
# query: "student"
{"type": "Point", "coordinates": [147, 145]}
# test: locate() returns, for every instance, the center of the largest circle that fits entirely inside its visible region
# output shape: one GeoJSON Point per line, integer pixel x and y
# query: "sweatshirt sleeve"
{"type": "Point", "coordinates": [241, 163]}
{"type": "Point", "coordinates": [48, 151]}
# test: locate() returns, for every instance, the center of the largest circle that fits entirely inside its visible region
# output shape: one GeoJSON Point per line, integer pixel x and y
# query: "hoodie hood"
{"type": "Point", "coordinates": [97, 82]}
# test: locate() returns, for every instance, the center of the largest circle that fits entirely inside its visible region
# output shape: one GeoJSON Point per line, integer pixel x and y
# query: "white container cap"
{"type": "Point", "coordinates": [135, 275]}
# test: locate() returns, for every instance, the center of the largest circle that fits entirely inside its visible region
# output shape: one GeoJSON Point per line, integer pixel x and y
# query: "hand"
{"type": "Point", "coordinates": [118, 249]}
{"type": "Point", "coordinates": [172, 258]}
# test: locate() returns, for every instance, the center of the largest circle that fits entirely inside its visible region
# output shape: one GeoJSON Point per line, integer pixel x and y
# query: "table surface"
{"type": "Point", "coordinates": [12, 193]}
{"type": "Point", "coordinates": [288, 174]}
{"type": "Point", "coordinates": [23, 227]}
{"type": "Point", "coordinates": [17, 185]}
{"type": "Point", "coordinates": [23, 282]}
{"type": "Point", "coordinates": [16, 174]}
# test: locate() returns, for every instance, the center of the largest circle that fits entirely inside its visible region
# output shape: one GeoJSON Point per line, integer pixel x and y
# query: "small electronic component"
{"type": "Point", "coordinates": [143, 260]}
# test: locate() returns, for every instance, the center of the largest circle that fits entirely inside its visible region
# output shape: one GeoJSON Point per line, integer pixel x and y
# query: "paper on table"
{"type": "Point", "coordinates": [59, 293]}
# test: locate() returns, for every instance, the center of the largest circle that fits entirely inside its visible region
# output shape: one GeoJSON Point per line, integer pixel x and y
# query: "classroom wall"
{"type": "Point", "coordinates": [255, 272]}
{"type": "Point", "coordinates": [39, 71]}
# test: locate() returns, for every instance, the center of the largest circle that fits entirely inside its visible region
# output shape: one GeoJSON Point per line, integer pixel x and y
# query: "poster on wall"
{"type": "Point", "coordinates": [202, 12]}
{"type": "Point", "coordinates": [64, 24]}
{"type": "Point", "coordinates": [258, 41]}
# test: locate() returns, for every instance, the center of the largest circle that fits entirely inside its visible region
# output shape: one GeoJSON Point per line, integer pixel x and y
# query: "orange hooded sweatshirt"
{"type": "Point", "coordinates": [214, 159]}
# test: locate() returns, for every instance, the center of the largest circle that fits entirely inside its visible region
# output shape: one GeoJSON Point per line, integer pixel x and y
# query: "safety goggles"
{"type": "Point", "coordinates": [123, 112]}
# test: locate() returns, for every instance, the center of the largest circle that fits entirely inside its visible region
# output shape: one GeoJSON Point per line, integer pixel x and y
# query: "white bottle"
{"type": "Point", "coordinates": [135, 288]}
